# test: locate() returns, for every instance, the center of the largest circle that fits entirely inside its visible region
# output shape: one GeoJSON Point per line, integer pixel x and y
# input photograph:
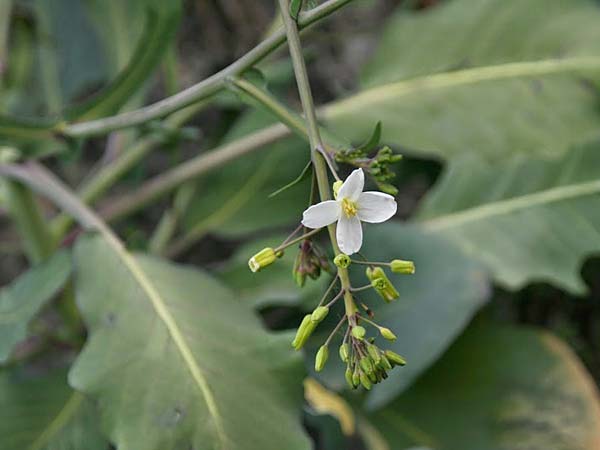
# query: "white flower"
{"type": "Point", "coordinates": [351, 206]}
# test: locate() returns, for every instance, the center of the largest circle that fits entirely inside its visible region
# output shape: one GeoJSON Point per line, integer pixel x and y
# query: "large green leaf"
{"type": "Point", "coordinates": [435, 303]}
{"type": "Point", "coordinates": [20, 301]}
{"type": "Point", "coordinates": [176, 362]}
{"type": "Point", "coordinates": [526, 219]}
{"type": "Point", "coordinates": [41, 412]}
{"type": "Point", "coordinates": [498, 388]}
{"type": "Point", "coordinates": [492, 77]}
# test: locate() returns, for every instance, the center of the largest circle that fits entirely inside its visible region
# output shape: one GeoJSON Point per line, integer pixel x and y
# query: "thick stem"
{"type": "Point", "coordinates": [319, 163]}
{"type": "Point", "coordinates": [204, 89]}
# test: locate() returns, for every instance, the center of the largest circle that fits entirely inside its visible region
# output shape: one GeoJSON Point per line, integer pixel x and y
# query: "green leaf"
{"type": "Point", "coordinates": [274, 285]}
{"type": "Point", "coordinates": [233, 201]}
{"type": "Point", "coordinates": [526, 219]}
{"type": "Point", "coordinates": [174, 340]}
{"type": "Point", "coordinates": [373, 141]}
{"type": "Point", "coordinates": [498, 388]}
{"type": "Point", "coordinates": [21, 301]}
{"type": "Point", "coordinates": [159, 32]}
{"type": "Point", "coordinates": [44, 413]}
{"type": "Point", "coordinates": [435, 303]}
{"type": "Point", "coordinates": [493, 77]}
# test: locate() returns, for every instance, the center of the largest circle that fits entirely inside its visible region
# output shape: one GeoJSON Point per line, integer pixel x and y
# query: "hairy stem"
{"type": "Point", "coordinates": [199, 91]}
{"type": "Point", "coordinates": [319, 163]}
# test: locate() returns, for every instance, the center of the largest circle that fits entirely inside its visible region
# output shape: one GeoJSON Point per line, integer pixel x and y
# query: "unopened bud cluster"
{"type": "Point", "coordinates": [310, 261]}
{"type": "Point", "coordinates": [366, 363]}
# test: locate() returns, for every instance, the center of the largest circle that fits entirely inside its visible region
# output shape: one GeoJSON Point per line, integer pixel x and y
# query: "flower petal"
{"type": "Point", "coordinates": [353, 185]}
{"type": "Point", "coordinates": [349, 234]}
{"type": "Point", "coordinates": [321, 214]}
{"type": "Point", "coordinates": [376, 207]}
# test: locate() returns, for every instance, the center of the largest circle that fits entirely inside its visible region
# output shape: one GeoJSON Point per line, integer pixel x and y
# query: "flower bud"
{"type": "Point", "coordinates": [381, 283]}
{"type": "Point", "coordinates": [319, 314]}
{"type": "Point", "coordinates": [336, 188]}
{"type": "Point", "coordinates": [304, 331]}
{"type": "Point", "coordinates": [358, 332]}
{"type": "Point", "coordinates": [387, 334]}
{"type": "Point", "coordinates": [262, 259]}
{"type": "Point", "coordinates": [355, 379]}
{"type": "Point", "coordinates": [366, 365]}
{"type": "Point", "coordinates": [321, 358]}
{"type": "Point", "coordinates": [384, 363]}
{"type": "Point", "coordinates": [394, 358]}
{"type": "Point", "coordinates": [374, 353]}
{"type": "Point", "coordinates": [342, 261]}
{"type": "Point", "coordinates": [401, 266]}
{"type": "Point", "coordinates": [344, 352]}
{"type": "Point", "coordinates": [364, 380]}
{"type": "Point", "coordinates": [348, 376]}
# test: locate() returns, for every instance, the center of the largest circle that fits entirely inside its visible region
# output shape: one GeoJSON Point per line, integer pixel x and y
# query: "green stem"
{"type": "Point", "coordinates": [319, 162]}
{"type": "Point", "coordinates": [298, 239]}
{"type": "Point", "coordinates": [202, 90]}
{"type": "Point", "coordinates": [30, 222]}
{"type": "Point", "coordinates": [108, 175]}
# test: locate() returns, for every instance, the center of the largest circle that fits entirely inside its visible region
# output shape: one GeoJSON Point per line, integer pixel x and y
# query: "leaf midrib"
{"type": "Point", "coordinates": [511, 205]}
{"type": "Point", "coordinates": [167, 318]}
{"type": "Point", "coordinates": [456, 78]}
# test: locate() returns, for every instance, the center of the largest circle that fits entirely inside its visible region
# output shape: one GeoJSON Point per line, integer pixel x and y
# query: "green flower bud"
{"type": "Point", "coordinates": [342, 261]}
{"type": "Point", "coordinates": [319, 314]}
{"type": "Point", "coordinates": [344, 352]}
{"type": "Point", "coordinates": [336, 188]}
{"type": "Point", "coordinates": [381, 283]}
{"type": "Point", "coordinates": [387, 334]}
{"type": "Point", "coordinates": [384, 363]}
{"type": "Point", "coordinates": [394, 358]}
{"type": "Point", "coordinates": [364, 380]}
{"type": "Point", "coordinates": [374, 353]}
{"type": "Point", "coordinates": [348, 376]}
{"type": "Point", "coordinates": [262, 259]}
{"type": "Point", "coordinates": [401, 266]}
{"type": "Point", "coordinates": [355, 379]}
{"type": "Point", "coordinates": [304, 331]}
{"type": "Point", "coordinates": [358, 332]}
{"type": "Point", "coordinates": [366, 365]}
{"type": "Point", "coordinates": [321, 358]}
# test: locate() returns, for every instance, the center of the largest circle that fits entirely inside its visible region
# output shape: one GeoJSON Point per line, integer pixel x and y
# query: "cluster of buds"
{"type": "Point", "coordinates": [366, 363]}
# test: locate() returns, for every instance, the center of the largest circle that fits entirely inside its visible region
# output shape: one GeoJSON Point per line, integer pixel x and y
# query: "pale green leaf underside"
{"type": "Point", "coordinates": [526, 218]}
{"type": "Point", "coordinates": [498, 388]}
{"type": "Point", "coordinates": [495, 77]}
{"type": "Point", "coordinates": [176, 362]}
{"type": "Point", "coordinates": [43, 413]}
{"type": "Point", "coordinates": [20, 301]}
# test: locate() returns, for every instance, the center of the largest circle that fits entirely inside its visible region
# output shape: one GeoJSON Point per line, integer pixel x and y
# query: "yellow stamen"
{"type": "Point", "coordinates": [349, 207]}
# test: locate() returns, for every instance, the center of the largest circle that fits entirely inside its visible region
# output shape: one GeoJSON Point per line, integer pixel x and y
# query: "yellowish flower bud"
{"type": "Point", "coordinates": [401, 266]}
{"type": "Point", "coordinates": [321, 358]}
{"type": "Point", "coordinates": [358, 332]}
{"type": "Point", "coordinates": [348, 376]}
{"type": "Point", "coordinates": [344, 352]}
{"type": "Point", "coordinates": [394, 358]}
{"type": "Point", "coordinates": [304, 331]}
{"type": "Point", "coordinates": [387, 334]}
{"type": "Point", "coordinates": [319, 314]}
{"type": "Point", "coordinates": [262, 259]}
{"type": "Point", "coordinates": [336, 188]}
{"type": "Point", "coordinates": [342, 261]}
{"type": "Point", "coordinates": [381, 283]}
{"type": "Point", "coordinates": [374, 353]}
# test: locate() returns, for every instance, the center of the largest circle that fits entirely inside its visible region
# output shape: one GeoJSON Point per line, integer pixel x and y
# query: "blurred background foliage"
{"type": "Point", "coordinates": [494, 104]}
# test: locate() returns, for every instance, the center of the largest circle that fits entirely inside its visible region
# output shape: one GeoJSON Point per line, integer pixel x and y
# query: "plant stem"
{"type": "Point", "coordinates": [30, 222]}
{"type": "Point", "coordinates": [199, 91]}
{"type": "Point", "coordinates": [319, 163]}
{"type": "Point", "coordinates": [108, 175]}
{"type": "Point", "coordinates": [115, 209]}
{"type": "Point", "coordinates": [298, 239]}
